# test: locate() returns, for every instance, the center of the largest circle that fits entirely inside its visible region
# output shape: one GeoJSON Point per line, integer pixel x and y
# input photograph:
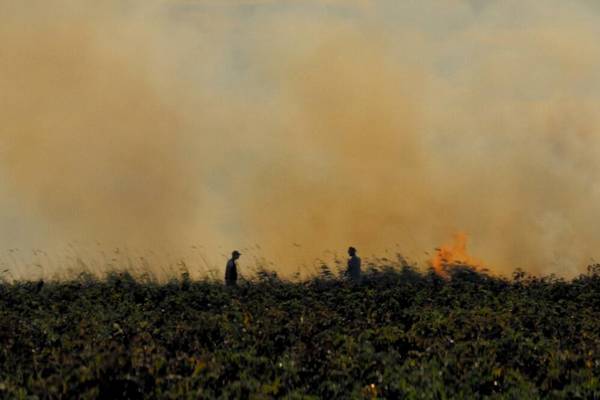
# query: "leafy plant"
{"type": "Point", "coordinates": [400, 333]}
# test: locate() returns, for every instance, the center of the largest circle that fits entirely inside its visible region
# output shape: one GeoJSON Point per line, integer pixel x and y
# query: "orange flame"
{"type": "Point", "coordinates": [454, 254]}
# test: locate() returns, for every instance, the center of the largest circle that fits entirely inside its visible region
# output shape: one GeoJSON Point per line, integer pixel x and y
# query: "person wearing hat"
{"type": "Point", "coordinates": [231, 274]}
{"type": "Point", "coordinates": [353, 271]}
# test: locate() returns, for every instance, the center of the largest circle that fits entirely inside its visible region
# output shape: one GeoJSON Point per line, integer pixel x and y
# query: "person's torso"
{"type": "Point", "coordinates": [231, 269]}
{"type": "Point", "coordinates": [354, 265]}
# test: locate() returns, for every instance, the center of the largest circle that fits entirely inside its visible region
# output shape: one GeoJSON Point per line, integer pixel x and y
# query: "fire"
{"type": "Point", "coordinates": [453, 254]}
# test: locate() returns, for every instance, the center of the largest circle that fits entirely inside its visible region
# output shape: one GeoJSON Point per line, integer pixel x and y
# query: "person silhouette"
{"type": "Point", "coordinates": [231, 273]}
{"type": "Point", "coordinates": [353, 271]}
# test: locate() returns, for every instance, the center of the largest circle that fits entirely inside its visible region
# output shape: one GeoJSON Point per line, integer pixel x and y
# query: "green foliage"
{"type": "Point", "coordinates": [397, 334]}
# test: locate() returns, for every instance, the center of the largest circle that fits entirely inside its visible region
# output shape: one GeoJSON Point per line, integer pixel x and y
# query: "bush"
{"type": "Point", "coordinates": [400, 333]}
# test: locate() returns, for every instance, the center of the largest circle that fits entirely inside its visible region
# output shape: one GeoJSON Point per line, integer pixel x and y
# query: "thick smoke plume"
{"type": "Point", "coordinates": [287, 129]}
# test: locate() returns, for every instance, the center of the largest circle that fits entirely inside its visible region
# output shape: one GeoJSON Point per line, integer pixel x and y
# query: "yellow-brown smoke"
{"type": "Point", "coordinates": [302, 127]}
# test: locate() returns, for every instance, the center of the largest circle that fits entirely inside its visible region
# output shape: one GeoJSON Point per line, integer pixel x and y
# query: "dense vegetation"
{"type": "Point", "coordinates": [400, 333]}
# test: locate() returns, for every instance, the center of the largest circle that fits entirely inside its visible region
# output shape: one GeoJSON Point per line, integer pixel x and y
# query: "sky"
{"type": "Point", "coordinates": [291, 130]}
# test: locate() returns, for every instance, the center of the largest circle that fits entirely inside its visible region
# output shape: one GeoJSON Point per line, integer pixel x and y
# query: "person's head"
{"type": "Point", "coordinates": [236, 254]}
{"type": "Point", "coordinates": [351, 251]}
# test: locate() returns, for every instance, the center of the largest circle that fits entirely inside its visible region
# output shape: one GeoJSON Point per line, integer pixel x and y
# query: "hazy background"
{"type": "Point", "coordinates": [187, 128]}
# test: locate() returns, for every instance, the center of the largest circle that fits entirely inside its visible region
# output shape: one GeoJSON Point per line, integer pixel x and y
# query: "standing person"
{"type": "Point", "coordinates": [231, 273]}
{"type": "Point", "coordinates": [353, 271]}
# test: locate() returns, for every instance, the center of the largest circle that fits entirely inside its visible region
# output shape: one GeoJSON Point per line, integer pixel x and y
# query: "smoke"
{"type": "Point", "coordinates": [289, 129]}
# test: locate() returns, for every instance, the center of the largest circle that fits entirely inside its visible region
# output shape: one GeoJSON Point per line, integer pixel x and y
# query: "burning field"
{"type": "Point", "coordinates": [141, 141]}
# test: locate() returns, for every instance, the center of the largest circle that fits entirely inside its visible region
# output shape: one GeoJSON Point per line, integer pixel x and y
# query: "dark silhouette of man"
{"type": "Point", "coordinates": [231, 273]}
{"type": "Point", "coordinates": [353, 271]}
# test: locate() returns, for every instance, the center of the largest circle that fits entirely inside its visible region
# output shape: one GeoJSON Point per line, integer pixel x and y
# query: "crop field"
{"type": "Point", "coordinates": [400, 333]}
